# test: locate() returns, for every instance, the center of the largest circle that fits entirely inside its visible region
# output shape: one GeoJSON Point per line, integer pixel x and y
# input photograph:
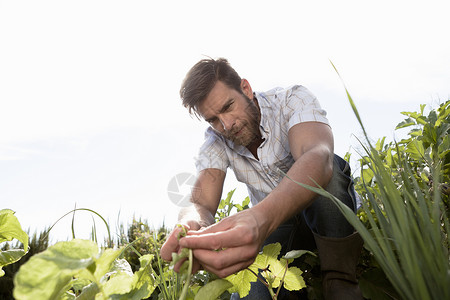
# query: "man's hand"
{"type": "Point", "coordinates": [172, 245]}
{"type": "Point", "coordinates": [199, 215]}
{"type": "Point", "coordinates": [229, 246]}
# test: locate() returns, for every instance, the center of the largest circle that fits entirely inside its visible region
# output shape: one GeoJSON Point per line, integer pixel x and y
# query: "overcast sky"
{"type": "Point", "coordinates": [89, 107]}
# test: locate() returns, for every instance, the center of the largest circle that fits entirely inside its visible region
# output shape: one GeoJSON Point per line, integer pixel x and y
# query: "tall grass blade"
{"type": "Point", "coordinates": [83, 209]}
{"type": "Point", "coordinates": [407, 230]}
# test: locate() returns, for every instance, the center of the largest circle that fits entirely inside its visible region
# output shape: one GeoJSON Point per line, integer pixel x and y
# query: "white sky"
{"type": "Point", "coordinates": [89, 107]}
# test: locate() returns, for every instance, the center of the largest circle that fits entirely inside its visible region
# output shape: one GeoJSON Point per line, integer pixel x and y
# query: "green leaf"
{"type": "Point", "coordinates": [405, 123]}
{"type": "Point", "coordinates": [124, 285]}
{"type": "Point", "coordinates": [297, 253]}
{"type": "Point", "coordinates": [10, 256]}
{"type": "Point", "coordinates": [48, 275]}
{"type": "Point", "coordinates": [213, 289]}
{"type": "Point", "coordinates": [241, 282]}
{"type": "Point", "coordinates": [293, 281]}
{"type": "Point", "coordinates": [10, 228]}
{"type": "Point", "coordinates": [267, 257]}
{"type": "Point", "coordinates": [78, 284]}
{"type": "Point", "coordinates": [106, 262]}
{"type": "Point", "coordinates": [120, 283]}
{"type": "Point", "coordinates": [277, 271]}
{"type": "Point", "coordinates": [89, 292]}
{"type": "Point", "coordinates": [145, 283]}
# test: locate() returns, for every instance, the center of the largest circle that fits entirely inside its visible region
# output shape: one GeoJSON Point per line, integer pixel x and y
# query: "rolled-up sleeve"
{"type": "Point", "coordinates": [303, 106]}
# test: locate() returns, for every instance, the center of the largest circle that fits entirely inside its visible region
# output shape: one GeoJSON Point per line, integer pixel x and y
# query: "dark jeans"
{"type": "Point", "coordinates": [322, 217]}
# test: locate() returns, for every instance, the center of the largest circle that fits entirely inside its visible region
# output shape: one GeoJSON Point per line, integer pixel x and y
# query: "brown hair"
{"type": "Point", "coordinates": [201, 79]}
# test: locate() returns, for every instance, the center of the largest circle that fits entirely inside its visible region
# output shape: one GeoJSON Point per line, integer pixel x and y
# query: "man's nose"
{"type": "Point", "coordinates": [227, 122]}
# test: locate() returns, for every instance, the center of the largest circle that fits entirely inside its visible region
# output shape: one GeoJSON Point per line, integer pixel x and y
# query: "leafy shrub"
{"type": "Point", "coordinates": [39, 242]}
{"type": "Point", "coordinates": [404, 220]}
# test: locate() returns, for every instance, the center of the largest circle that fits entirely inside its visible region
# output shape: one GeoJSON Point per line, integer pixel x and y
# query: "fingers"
{"type": "Point", "coordinates": [217, 240]}
{"type": "Point", "coordinates": [223, 263]}
{"type": "Point", "coordinates": [171, 244]}
{"type": "Point", "coordinates": [219, 236]}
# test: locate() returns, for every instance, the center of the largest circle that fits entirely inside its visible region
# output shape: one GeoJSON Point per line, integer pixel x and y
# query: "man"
{"type": "Point", "coordinates": [257, 135]}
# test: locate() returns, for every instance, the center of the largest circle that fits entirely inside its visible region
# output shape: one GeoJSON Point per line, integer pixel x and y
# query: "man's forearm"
{"type": "Point", "coordinates": [289, 198]}
{"type": "Point", "coordinates": [204, 205]}
{"type": "Point", "coordinates": [195, 213]}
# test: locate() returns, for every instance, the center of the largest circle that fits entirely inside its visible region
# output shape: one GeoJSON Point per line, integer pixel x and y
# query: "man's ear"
{"type": "Point", "coordinates": [246, 88]}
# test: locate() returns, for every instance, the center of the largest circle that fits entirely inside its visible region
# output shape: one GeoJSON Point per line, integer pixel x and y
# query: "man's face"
{"type": "Point", "coordinates": [232, 114]}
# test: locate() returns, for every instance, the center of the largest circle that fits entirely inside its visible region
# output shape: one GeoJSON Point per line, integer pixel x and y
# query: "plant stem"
{"type": "Point", "coordinates": [269, 286]}
{"type": "Point", "coordinates": [282, 279]}
{"type": "Point", "coordinates": [188, 279]}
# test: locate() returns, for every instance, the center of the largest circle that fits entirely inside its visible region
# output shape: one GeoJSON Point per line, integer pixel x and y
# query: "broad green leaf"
{"type": "Point", "coordinates": [293, 281]}
{"type": "Point", "coordinates": [269, 256]}
{"type": "Point", "coordinates": [121, 265]}
{"type": "Point", "coordinates": [48, 275]}
{"type": "Point", "coordinates": [416, 133]}
{"type": "Point", "coordinates": [120, 283]}
{"type": "Point", "coordinates": [367, 175]}
{"type": "Point", "coordinates": [241, 282]}
{"type": "Point", "coordinates": [10, 256]}
{"type": "Point", "coordinates": [406, 123]}
{"type": "Point", "coordinates": [124, 285]}
{"type": "Point", "coordinates": [89, 292]}
{"type": "Point", "coordinates": [10, 228]}
{"type": "Point", "coordinates": [415, 149]}
{"type": "Point", "coordinates": [79, 283]}
{"type": "Point", "coordinates": [413, 115]}
{"type": "Point", "coordinates": [106, 262]}
{"type": "Point", "coordinates": [213, 290]}
{"type": "Point", "coordinates": [145, 283]}
{"type": "Point", "coordinates": [277, 269]}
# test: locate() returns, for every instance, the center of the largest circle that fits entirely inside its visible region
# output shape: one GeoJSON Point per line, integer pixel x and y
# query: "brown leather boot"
{"type": "Point", "coordinates": [338, 260]}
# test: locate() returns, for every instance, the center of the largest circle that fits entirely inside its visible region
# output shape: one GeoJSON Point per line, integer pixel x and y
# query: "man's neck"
{"type": "Point", "coordinates": [253, 146]}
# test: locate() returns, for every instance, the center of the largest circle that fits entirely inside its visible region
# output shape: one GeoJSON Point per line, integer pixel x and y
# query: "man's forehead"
{"type": "Point", "coordinates": [209, 109]}
{"type": "Point", "coordinates": [219, 96]}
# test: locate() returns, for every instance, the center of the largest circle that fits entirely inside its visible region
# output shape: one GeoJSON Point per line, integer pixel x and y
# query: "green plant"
{"type": "Point", "coordinates": [77, 269]}
{"type": "Point", "coordinates": [141, 240]}
{"type": "Point", "coordinates": [272, 271]}
{"type": "Point", "coordinates": [38, 242]}
{"type": "Point", "coordinates": [11, 254]}
{"type": "Point", "coordinates": [406, 211]}
{"type": "Point", "coordinates": [227, 206]}
{"type": "Point", "coordinates": [10, 229]}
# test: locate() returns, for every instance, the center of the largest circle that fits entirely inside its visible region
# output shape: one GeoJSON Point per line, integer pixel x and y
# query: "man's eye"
{"type": "Point", "coordinates": [228, 106]}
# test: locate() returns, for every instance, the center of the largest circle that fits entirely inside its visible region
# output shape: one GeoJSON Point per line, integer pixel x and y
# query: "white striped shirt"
{"type": "Point", "coordinates": [280, 110]}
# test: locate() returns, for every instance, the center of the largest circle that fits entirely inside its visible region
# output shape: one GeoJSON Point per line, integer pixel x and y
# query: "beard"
{"type": "Point", "coordinates": [248, 130]}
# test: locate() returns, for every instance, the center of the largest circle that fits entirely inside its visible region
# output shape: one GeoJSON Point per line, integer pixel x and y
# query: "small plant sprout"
{"type": "Point", "coordinates": [186, 267]}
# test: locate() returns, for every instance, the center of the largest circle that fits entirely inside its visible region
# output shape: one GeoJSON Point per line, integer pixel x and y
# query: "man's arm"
{"type": "Point", "coordinates": [312, 148]}
{"type": "Point", "coordinates": [242, 234]}
{"type": "Point", "coordinates": [205, 199]}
